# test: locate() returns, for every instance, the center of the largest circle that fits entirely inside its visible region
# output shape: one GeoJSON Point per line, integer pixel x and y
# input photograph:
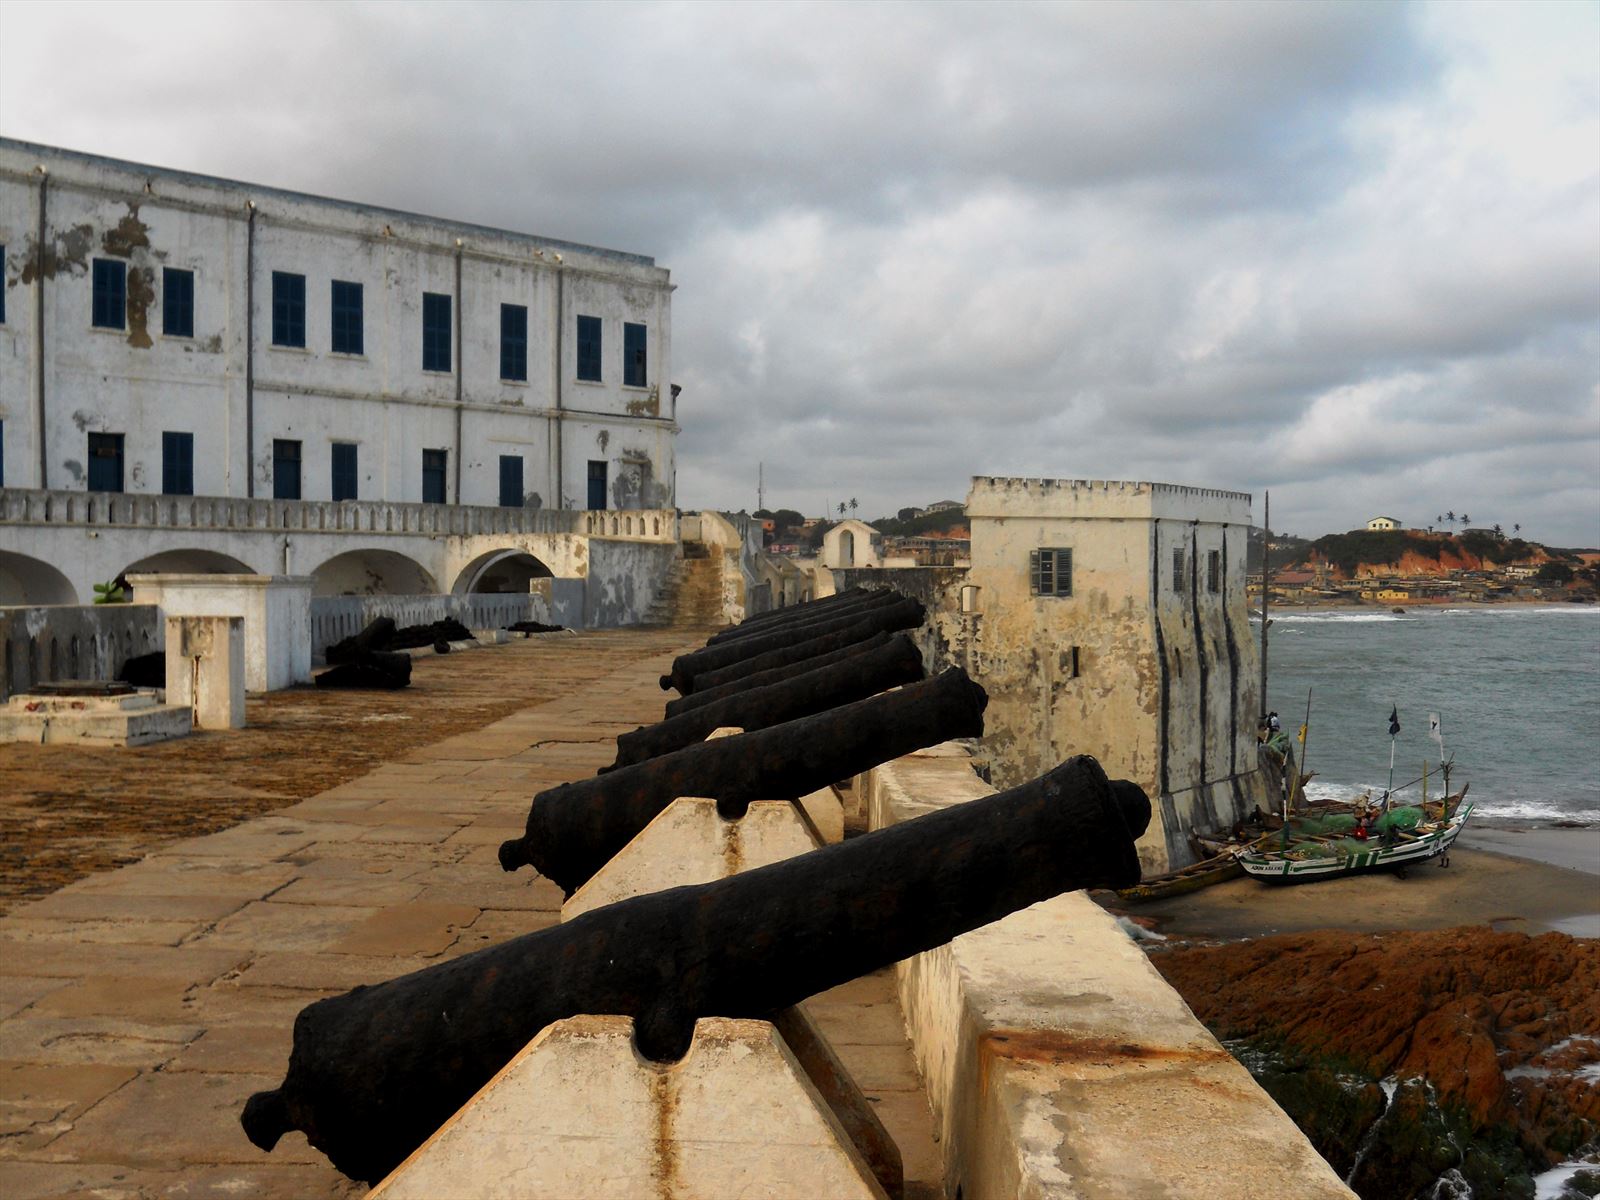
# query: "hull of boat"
{"type": "Point", "coordinates": [1278, 866]}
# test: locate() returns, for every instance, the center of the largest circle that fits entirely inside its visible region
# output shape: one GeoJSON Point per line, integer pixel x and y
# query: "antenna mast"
{"type": "Point", "coordinates": [761, 487]}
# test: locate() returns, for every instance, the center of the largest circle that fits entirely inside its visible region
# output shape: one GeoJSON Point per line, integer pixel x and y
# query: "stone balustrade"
{"type": "Point", "coordinates": [36, 506]}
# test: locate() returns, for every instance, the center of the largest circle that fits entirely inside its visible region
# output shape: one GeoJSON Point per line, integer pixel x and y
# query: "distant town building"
{"type": "Point", "coordinates": [1383, 523]}
{"type": "Point", "coordinates": [939, 506]}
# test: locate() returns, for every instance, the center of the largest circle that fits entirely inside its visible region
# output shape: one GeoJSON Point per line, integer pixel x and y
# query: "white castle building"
{"type": "Point", "coordinates": [166, 335]}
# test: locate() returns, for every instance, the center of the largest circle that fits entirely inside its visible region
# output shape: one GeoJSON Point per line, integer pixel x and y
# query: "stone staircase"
{"type": "Point", "coordinates": [691, 595]}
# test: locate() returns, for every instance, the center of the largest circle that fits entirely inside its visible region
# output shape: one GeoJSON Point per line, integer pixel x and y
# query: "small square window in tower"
{"type": "Point", "coordinates": [514, 342]}
{"type": "Point", "coordinates": [597, 485]}
{"type": "Point", "coordinates": [288, 310]}
{"type": "Point", "coordinates": [511, 495]}
{"type": "Point", "coordinates": [177, 464]}
{"type": "Point", "coordinates": [177, 302]}
{"type": "Point", "coordinates": [435, 467]}
{"type": "Point", "coordinates": [109, 309]}
{"type": "Point", "coordinates": [105, 462]}
{"type": "Point", "coordinates": [347, 334]}
{"type": "Point", "coordinates": [1050, 571]}
{"type": "Point", "coordinates": [589, 349]}
{"type": "Point", "coordinates": [633, 356]}
{"type": "Point", "coordinates": [344, 471]}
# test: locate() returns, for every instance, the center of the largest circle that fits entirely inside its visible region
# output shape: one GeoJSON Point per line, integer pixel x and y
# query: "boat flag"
{"type": "Point", "coordinates": [1394, 721]}
{"type": "Point", "coordinates": [1435, 732]}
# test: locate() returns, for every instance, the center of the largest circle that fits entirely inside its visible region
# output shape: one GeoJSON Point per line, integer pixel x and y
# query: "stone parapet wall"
{"type": "Point", "coordinates": [1058, 1062]}
{"type": "Point", "coordinates": [334, 618]}
{"type": "Point", "coordinates": [70, 641]}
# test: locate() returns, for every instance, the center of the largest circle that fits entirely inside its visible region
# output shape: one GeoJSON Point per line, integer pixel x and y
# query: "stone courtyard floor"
{"type": "Point", "coordinates": [141, 1005]}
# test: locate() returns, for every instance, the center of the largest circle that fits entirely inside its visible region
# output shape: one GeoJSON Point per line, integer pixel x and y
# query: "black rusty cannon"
{"type": "Point", "coordinates": [903, 613]}
{"type": "Point", "coordinates": [575, 829]}
{"type": "Point", "coordinates": [803, 608]}
{"type": "Point", "coordinates": [802, 617]}
{"type": "Point", "coordinates": [755, 679]}
{"type": "Point", "coordinates": [375, 1071]}
{"type": "Point", "coordinates": [893, 663]}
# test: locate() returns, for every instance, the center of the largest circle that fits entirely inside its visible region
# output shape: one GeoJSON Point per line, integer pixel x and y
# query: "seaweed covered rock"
{"type": "Point", "coordinates": [1481, 1041]}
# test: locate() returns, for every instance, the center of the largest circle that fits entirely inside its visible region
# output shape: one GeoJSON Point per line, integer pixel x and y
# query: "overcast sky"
{"type": "Point", "coordinates": [1347, 252]}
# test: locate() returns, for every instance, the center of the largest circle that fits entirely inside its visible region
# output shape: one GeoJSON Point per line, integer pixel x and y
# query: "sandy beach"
{"type": "Point", "coordinates": [1531, 881]}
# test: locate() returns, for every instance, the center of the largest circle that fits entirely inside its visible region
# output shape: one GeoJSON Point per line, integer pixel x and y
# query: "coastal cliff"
{"type": "Point", "coordinates": [1415, 1060]}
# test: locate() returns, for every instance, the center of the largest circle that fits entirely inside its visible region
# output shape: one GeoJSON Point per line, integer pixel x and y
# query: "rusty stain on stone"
{"type": "Point", "coordinates": [1054, 1047]}
{"type": "Point", "coordinates": [141, 292]}
{"type": "Point", "coordinates": [732, 847]}
{"type": "Point", "coordinates": [664, 1154]}
{"type": "Point", "coordinates": [647, 406]}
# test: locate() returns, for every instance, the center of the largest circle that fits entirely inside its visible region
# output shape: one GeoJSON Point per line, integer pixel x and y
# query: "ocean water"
{"type": "Point", "coordinates": [1517, 690]}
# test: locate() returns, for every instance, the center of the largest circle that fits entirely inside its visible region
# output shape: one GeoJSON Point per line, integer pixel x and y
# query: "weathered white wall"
{"type": "Point", "coordinates": [1165, 690]}
{"type": "Point", "coordinates": [1059, 1063]}
{"type": "Point", "coordinates": [276, 611]}
{"type": "Point", "coordinates": [139, 382]}
{"type": "Point", "coordinates": [851, 544]}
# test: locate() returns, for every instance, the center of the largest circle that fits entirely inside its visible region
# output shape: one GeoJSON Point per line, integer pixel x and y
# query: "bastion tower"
{"type": "Point", "coordinates": [1109, 618]}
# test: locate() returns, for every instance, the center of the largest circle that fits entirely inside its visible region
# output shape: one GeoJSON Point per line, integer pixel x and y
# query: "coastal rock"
{"type": "Point", "coordinates": [1489, 1042]}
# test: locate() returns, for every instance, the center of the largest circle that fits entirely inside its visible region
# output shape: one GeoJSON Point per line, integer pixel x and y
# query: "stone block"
{"type": "Point", "coordinates": [579, 1113]}
{"type": "Point", "coordinates": [205, 669]}
{"type": "Point", "coordinates": [132, 720]}
{"type": "Point", "coordinates": [825, 811]}
{"type": "Point", "coordinates": [688, 842]}
{"type": "Point", "coordinates": [276, 611]}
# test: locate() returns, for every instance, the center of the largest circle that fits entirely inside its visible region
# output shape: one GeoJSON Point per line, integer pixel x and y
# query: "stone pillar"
{"type": "Point", "coordinates": [205, 669]}
{"type": "Point", "coordinates": [276, 611]}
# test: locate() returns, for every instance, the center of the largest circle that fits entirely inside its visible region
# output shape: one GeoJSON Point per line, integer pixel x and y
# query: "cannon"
{"type": "Point", "coordinates": [802, 618]}
{"type": "Point", "coordinates": [895, 662]}
{"type": "Point", "coordinates": [575, 829]}
{"type": "Point", "coordinates": [375, 1071]}
{"type": "Point", "coordinates": [883, 621]}
{"type": "Point", "coordinates": [745, 683]}
{"type": "Point", "coordinates": [686, 668]}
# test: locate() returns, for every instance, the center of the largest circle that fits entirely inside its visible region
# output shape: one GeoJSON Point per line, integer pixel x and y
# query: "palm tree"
{"type": "Point", "coordinates": [1499, 533]}
{"type": "Point", "coordinates": [1465, 520]}
{"type": "Point", "coordinates": [841, 508]}
{"type": "Point", "coordinates": [853, 505]}
{"type": "Point", "coordinates": [1439, 520]}
{"type": "Point", "coordinates": [1516, 529]}
{"type": "Point", "coordinates": [1450, 516]}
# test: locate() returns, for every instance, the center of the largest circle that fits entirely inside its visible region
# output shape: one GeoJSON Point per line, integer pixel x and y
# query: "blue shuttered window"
{"type": "Point", "coordinates": [589, 349]}
{"type": "Point", "coordinates": [177, 304]}
{"type": "Point", "coordinates": [633, 356]}
{"type": "Point", "coordinates": [434, 468]}
{"type": "Point", "coordinates": [285, 469]}
{"type": "Point", "coordinates": [597, 485]}
{"type": "Point", "coordinates": [435, 332]}
{"type": "Point", "coordinates": [177, 464]}
{"type": "Point", "coordinates": [510, 481]}
{"type": "Point", "coordinates": [514, 342]}
{"type": "Point", "coordinates": [344, 471]}
{"type": "Point", "coordinates": [347, 335]}
{"type": "Point", "coordinates": [105, 462]}
{"type": "Point", "coordinates": [110, 305]}
{"type": "Point", "coordinates": [288, 309]}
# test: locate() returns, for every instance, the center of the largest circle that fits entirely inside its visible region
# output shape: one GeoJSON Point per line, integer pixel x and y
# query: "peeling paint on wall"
{"type": "Point", "coordinates": [66, 253]}
{"type": "Point", "coordinates": [74, 468]}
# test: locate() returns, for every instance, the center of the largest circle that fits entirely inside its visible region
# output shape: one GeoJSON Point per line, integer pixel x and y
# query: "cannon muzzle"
{"type": "Point", "coordinates": [375, 1071]}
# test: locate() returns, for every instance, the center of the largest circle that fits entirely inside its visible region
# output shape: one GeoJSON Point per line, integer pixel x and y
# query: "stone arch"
{"type": "Point", "coordinates": [847, 549]}
{"type": "Point", "coordinates": [189, 562]}
{"type": "Point", "coordinates": [506, 570]}
{"type": "Point", "coordinates": [28, 580]}
{"type": "Point", "coordinates": [372, 572]}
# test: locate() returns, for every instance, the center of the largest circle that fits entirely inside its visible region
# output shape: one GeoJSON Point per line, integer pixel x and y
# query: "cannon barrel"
{"type": "Point", "coordinates": [801, 618]}
{"type": "Point", "coordinates": [803, 607]}
{"type": "Point", "coordinates": [890, 665]}
{"type": "Point", "coordinates": [375, 1071]}
{"type": "Point", "coordinates": [886, 620]}
{"type": "Point", "coordinates": [686, 668]}
{"type": "Point", "coordinates": [745, 683]}
{"type": "Point", "coordinates": [575, 829]}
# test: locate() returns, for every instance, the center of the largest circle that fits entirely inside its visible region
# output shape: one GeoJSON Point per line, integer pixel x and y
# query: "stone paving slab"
{"type": "Point", "coordinates": [140, 1007]}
